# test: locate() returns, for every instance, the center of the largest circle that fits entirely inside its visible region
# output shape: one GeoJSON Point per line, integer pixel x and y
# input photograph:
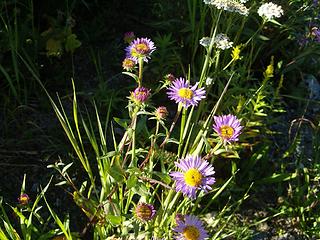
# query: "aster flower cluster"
{"type": "Point", "coordinates": [229, 5]}
{"type": "Point", "coordinates": [139, 48]}
{"type": "Point", "coordinates": [270, 11]}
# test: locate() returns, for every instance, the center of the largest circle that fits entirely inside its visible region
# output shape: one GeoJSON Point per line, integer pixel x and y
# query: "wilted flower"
{"type": "Point", "coordinates": [140, 94]}
{"type": "Point", "coordinates": [24, 199]}
{"type": "Point", "coordinates": [161, 112]}
{"type": "Point", "coordinates": [129, 63]}
{"type": "Point", "coordinates": [196, 175]}
{"type": "Point", "coordinates": [190, 229]}
{"type": "Point", "coordinates": [128, 37]}
{"type": "Point", "coordinates": [222, 41]}
{"type": "Point", "coordinates": [229, 5]}
{"type": "Point", "coordinates": [144, 212]}
{"type": "Point", "coordinates": [140, 48]}
{"type": "Point", "coordinates": [228, 127]}
{"type": "Point", "coordinates": [169, 78]}
{"type": "Point", "coordinates": [181, 92]}
{"type": "Point", "coordinates": [270, 11]}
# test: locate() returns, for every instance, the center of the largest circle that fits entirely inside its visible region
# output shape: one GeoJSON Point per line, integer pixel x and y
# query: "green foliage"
{"type": "Point", "coordinates": [122, 156]}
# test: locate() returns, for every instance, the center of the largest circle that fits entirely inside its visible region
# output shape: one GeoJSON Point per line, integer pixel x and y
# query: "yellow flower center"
{"type": "Point", "coordinates": [191, 233]}
{"type": "Point", "coordinates": [226, 131]}
{"type": "Point", "coordinates": [185, 93]}
{"type": "Point", "coordinates": [142, 48]}
{"type": "Point", "coordinates": [193, 177]}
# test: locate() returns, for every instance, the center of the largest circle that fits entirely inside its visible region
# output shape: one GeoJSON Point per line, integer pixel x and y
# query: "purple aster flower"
{"type": "Point", "coordinates": [316, 34]}
{"type": "Point", "coordinates": [190, 229]}
{"type": "Point", "coordinates": [181, 92]}
{"type": "Point", "coordinates": [196, 175]}
{"type": "Point", "coordinates": [228, 127]}
{"type": "Point", "coordinates": [144, 212]}
{"type": "Point", "coordinates": [140, 94]}
{"type": "Point", "coordinates": [140, 48]}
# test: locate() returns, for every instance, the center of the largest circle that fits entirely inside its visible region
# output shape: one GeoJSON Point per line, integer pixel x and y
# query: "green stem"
{"type": "Point", "coordinates": [208, 56]}
{"type": "Point", "coordinates": [140, 71]}
{"type": "Point", "coordinates": [183, 122]}
{"type": "Point", "coordinates": [172, 126]}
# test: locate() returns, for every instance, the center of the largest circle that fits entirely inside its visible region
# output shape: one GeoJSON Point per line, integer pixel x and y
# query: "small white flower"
{"type": "Point", "coordinates": [270, 11]}
{"type": "Point", "coordinates": [209, 81]}
{"type": "Point", "coordinates": [222, 41]}
{"type": "Point", "coordinates": [229, 5]}
{"type": "Point", "coordinates": [205, 41]}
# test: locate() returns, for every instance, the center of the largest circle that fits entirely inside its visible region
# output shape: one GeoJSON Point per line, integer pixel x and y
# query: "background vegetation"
{"type": "Point", "coordinates": [48, 47]}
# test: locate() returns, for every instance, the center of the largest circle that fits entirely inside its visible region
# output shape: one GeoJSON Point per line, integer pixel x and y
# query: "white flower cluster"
{"type": "Point", "coordinates": [229, 5]}
{"type": "Point", "coordinates": [270, 11]}
{"type": "Point", "coordinates": [205, 41]}
{"type": "Point", "coordinates": [221, 41]}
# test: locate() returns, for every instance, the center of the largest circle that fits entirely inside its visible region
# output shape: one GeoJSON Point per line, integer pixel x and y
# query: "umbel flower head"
{"type": "Point", "coordinates": [205, 41]}
{"type": "Point", "coordinates": [222, 41]}
{"type": "Point", "coordinates": [191, 228]}
{"type": "Point", "coordinates": [270, 11]}
{"type": "Point", "coordinates": [181, 92]}
{"type": "Point", "coordinates": [140, 48]}
{"type": "Point", "coordinates": [229, 5]}
{"type": "Point", "coordinates": [196, 175]}
{"type": "Point", "coordinates": [140, 94]}
{"type": "Point", "coordinates": [144, 212]}
{"type": "Point", "coordinates": [228, 127]}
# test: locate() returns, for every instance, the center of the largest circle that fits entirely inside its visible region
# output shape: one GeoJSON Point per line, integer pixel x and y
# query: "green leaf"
{"type": "Point", "coordinates": [164, 177]}
{"type": "Point", "coordinates": [117, 173]}
{"type": "Point", "coordinates": [122, 122]}
{"type": "Point", "coordinates": [280, 177]}
{"type": "Point", "coordinates": [132, 181]}
{"type": "Point", "coordinates": [141, 190]}
{"type": "Point", "coordinates": [114, 220]}
{"type": "Point", "coordinates": [72, 43]}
